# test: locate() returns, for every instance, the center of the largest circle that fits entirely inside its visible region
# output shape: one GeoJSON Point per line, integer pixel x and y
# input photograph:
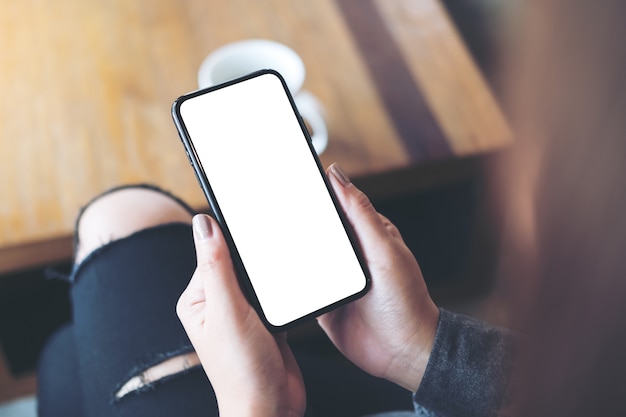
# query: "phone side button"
{"type": "Point", "coordinates": [198, 178]}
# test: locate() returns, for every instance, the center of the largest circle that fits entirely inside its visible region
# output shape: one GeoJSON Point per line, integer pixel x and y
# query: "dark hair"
{"type": "Point", "coordinates": [568, 83]}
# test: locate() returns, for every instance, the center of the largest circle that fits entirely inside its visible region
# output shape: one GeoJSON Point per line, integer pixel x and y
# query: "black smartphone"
{"type": "Point", "coordinates": [293, 249]}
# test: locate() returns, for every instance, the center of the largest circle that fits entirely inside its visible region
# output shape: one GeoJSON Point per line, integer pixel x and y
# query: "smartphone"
{"type": "Point", "coordinates": [293, 250]}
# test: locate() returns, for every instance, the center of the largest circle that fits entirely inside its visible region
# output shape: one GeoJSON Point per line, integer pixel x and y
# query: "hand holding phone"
{"type": "Point", "coordinates": [250, 369]}
{"type": "Point", "coordinates": [388, 333]}
{"type": "Point", "coordinates": [291, 246]}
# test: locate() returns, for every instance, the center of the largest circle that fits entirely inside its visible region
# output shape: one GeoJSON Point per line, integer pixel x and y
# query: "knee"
{"type": "Point", "coordinates": [123, 212]}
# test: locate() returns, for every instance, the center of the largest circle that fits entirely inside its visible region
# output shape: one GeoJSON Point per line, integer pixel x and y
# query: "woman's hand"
{"type": "Point", "coordinates": [390, 331]}
{"type": "Point", "coordinates": [252, 371]}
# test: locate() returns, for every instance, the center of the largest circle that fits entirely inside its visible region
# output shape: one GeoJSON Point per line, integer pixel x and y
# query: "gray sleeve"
{"type": "Point", "coordinates": [468, 371]}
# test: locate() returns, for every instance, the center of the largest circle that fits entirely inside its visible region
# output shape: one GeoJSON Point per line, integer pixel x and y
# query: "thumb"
{"type": "Point", "coordinates": [215, 266]}
{"type": "Point", "coordinates": [206, 242]}
{"type": "Point", "coordinates": [213, 286]}
{"type": "Point", "coordinates": [191, 304]}
{"type": "Point", "coordinates": [367, 224]}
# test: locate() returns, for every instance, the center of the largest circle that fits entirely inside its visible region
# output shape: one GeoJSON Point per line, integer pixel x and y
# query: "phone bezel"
{"type": "Point", "coordinates": [242, 275]}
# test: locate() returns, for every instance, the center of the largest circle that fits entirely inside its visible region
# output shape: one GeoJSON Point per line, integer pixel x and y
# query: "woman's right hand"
{"type": "Point", "coordinates": [389, 332]}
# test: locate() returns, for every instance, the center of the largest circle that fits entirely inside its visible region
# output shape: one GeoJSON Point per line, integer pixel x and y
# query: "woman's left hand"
{"type": "Point", "coordinates": [252, 371]}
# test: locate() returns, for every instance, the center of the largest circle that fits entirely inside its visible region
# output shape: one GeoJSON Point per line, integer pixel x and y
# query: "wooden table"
{"type": "Point", "coordinates": [87, 87]}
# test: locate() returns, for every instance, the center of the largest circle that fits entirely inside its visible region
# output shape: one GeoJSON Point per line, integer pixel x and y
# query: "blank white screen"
{"type": "Point", "coordinates": [273, 199]}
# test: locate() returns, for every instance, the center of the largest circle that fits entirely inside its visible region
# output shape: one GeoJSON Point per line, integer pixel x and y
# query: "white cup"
{"type": "Point", "coordinates": [240, 58]}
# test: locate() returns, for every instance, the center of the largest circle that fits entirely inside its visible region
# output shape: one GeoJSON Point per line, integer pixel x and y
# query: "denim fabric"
{"type": "Point", "coordinates": [143, 186]}
{"type": "Point", "coordinates": [124, 296]}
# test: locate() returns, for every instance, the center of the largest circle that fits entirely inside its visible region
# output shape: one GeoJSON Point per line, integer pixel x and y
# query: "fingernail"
{"type": "Point", "coordinates": [341, 176]}
{"type": "Point", "coordinates": [202, 228]}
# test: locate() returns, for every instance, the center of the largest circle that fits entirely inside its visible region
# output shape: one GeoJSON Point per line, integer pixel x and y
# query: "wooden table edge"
{"type": "Point", "coordinates": [381, 186]}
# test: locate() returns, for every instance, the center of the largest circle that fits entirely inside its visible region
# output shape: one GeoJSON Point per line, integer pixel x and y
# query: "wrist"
{"type": "Point", "coordinates": [409, 364]}
{"type": "Point", "coordinates": [258, 413]}
{"type": "Point", "coordinates": [243, 408]}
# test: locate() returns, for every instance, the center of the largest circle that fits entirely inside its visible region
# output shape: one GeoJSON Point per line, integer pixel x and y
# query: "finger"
{"type": "Point", "coordinates": [207, 250]}
{"type": "Point", "coordinates": [215, 264]}
{"type": "Point", "coordinates": [391, 228]}
{"type": "Point", "coordinates": [190, 306]}
{"type": "Point", "coordinates": [207, 241]}
{"type": "Point", "coordinates": [214, 277]}
{"type": "Point", "coordinates": [361, 214]}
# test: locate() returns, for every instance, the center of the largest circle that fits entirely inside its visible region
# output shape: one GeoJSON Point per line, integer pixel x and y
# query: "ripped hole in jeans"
{"type": "Point", "coordinates": [165, 369]}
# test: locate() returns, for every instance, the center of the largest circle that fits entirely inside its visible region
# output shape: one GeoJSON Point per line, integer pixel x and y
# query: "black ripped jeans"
{"type": "Point", "coordinates": [124, 321]}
